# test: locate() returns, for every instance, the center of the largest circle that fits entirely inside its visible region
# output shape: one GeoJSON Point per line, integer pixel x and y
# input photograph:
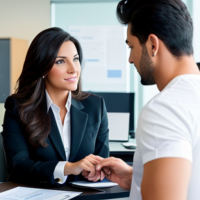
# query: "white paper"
{"type": "Point", "coordinates": [118, 124]}
{"type": "Point", "coordinates": [94, 185]}
{"type": "Point", "coordinates": [24, 193]}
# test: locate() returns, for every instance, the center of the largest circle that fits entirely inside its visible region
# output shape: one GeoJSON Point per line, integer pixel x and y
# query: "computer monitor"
{"type": "Point", "coordinates": [119, 102]}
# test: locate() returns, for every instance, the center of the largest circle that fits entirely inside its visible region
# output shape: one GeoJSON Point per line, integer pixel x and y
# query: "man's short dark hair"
{"type": "Point", "coordinates": [169, 20]}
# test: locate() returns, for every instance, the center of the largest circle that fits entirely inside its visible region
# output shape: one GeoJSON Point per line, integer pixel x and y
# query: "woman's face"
{"type": "Point", "coordinates": [66, 69]}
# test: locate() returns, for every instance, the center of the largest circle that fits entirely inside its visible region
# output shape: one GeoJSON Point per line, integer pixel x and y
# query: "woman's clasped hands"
{"type": "Point", "coordinates": [86, 166]}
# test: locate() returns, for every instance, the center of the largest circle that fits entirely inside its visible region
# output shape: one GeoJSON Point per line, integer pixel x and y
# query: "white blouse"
{"type": "Point", "coordinates": [65, 133]}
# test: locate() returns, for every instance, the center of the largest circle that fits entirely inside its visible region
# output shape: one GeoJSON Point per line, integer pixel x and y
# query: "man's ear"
{"type": "Point", "coordinates": [153, 44]}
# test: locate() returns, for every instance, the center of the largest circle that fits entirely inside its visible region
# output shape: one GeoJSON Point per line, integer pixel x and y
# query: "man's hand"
{"type": "Point", "coordinates": [99, 175]}
{"type": "Point", "coordinates": [116, 171]}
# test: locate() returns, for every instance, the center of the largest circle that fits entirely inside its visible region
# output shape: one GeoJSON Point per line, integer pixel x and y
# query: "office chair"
{"type": "Point", "coordinates": [198, 64]}
{"type": "Point", "coordinates": [3, 168]}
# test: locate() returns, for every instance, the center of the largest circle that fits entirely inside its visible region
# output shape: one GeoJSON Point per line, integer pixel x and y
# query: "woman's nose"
{"type": "Point", "coordinates": [71, 68]}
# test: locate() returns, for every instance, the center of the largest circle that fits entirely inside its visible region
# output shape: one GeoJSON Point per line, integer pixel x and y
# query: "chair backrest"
{"type": "Point", "coordinates": [3, 168]}
{"type": "Point", "coordinates": [198, 64]}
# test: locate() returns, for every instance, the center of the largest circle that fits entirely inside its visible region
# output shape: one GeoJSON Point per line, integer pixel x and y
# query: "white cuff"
{"type": "Point", "coordinates": [59, 172]}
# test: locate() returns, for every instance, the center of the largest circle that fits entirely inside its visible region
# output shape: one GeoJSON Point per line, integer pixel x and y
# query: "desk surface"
{"type": "Point", "coordinates": [110, 193]}
{"type": "Point", "coordinates": [116, 147]}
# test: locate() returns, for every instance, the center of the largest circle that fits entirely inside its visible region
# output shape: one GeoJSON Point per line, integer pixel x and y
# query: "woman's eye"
{"type": "Point", "coordinates": [76, 59]}
{"type": "Point", "coordinates": [59, 61]}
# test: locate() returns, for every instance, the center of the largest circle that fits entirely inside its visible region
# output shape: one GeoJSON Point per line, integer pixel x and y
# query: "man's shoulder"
{"type": "Point", "coordinates": [183, 85]}
{"type": "Point", "coordinates": [178, 101]}
{"type": "Point", "coordinates": [183, 89]}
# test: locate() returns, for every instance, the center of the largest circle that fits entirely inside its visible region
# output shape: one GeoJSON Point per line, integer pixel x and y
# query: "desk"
{"type": "Point", "coordinates": [110, 193]}
{"type": "Point", "coordinates": [119, 151]}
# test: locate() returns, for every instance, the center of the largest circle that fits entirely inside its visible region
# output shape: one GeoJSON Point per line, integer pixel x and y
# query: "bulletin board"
{"type": "Point", "coordinates": [105, 56]}
{"type": "Point", "coordinates": [102, 37]}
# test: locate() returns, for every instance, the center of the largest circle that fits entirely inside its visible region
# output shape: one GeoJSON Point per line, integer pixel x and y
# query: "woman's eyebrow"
{"type": "Point", "coordinates": [65, 56]}
{"type": "Point", "coordinates": [60, 57]}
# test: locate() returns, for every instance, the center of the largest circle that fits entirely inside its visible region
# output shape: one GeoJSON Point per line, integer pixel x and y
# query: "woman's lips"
{"type": "Point", "coordinates": [72, 79]}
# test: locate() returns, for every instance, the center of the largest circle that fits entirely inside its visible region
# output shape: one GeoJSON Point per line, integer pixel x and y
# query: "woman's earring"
{"type": "Point", "coordinates": [153, 54]}
{"type": "Point", "coordinates": [43, 77]}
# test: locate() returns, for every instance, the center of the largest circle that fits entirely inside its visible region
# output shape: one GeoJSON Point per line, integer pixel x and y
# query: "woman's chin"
{"type": "Point", "coordinates": [71, 88]}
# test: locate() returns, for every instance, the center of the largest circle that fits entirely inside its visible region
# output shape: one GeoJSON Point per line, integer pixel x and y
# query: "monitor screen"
{"type": "Point", "coordinates": [119, 102]}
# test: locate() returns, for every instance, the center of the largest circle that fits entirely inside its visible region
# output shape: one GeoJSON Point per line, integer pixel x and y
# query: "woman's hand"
{"type": "Point", "coordinates": [87, 164]}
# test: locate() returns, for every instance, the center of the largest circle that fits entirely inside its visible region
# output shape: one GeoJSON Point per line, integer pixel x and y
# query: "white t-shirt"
{"type": "Point", "coordinates": [169, 126]}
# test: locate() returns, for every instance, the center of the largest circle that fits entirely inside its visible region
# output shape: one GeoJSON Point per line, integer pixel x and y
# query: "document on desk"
{"type": "Point", "coordinates": [25, 193]}
{"type": "Point", "coordinates": [102, 184]}
{"type": "Point", "coordinates": [118, 124]}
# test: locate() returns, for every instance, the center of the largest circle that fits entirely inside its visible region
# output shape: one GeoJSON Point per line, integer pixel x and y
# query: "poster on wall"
{"type": "Point", "coordinates": [105, 56]}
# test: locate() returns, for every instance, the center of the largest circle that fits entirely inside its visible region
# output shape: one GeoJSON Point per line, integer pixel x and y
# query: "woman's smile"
{"type": "Point", "coordinates": [71, 79]}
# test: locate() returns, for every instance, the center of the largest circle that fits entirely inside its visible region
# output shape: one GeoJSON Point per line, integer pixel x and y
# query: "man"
{"type": "Point", "coordinates": [166, 161]}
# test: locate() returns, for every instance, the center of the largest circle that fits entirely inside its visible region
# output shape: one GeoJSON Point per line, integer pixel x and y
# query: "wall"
{"type": "Point", "coordinates": [23, 19]}
{"type": "Point", "coordinates": [1, 114]}
{"type": "Point", "coordinates": [196, 40]}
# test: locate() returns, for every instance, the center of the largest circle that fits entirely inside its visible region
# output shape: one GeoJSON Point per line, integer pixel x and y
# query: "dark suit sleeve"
{"type": "Point", "coordinates": [102, 141]}
{"type": "Point", "coordinates": [21, 167]}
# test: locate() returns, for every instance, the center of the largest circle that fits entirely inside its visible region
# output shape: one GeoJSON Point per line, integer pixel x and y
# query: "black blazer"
{"type": "Point", "coordinates": [89, 135]}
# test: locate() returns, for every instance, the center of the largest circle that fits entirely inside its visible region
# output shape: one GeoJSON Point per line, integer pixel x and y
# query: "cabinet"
{"type": "Point", "coordinates": [12, 56]}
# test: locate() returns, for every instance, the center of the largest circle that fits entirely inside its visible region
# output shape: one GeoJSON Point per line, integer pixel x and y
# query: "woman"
{"type": "Point", "coordinates": [51, 127]}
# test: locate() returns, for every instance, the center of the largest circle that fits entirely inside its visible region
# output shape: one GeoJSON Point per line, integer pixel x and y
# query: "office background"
{"type": "Point", "coordinates": [24, 19]}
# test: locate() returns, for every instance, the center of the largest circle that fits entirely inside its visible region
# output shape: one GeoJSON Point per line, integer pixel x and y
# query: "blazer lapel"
{"type": "Point", "coordinates": [55, 137]}
{"type": "Point", "coordinates": [78, 125]}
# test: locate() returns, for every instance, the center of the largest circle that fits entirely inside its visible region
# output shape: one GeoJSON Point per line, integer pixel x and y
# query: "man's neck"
{"type": "Point", "coordinates": [170, 67]}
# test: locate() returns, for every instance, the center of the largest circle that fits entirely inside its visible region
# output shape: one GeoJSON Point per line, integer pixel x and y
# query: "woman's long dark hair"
{"type": "Point", "coordinates": [30, 91]}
